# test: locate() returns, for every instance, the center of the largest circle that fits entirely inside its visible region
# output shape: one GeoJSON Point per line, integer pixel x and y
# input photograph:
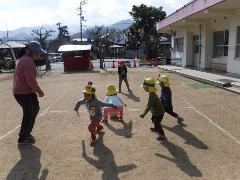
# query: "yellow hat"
{"type": "Point", "coordinates": [111, 90]}
{"type": "Point", "coordinates": [89, 89]}
{"type": "Point", "coordinates": [150, 83]}
{"type": "Point", "coordinates": [165, 80]}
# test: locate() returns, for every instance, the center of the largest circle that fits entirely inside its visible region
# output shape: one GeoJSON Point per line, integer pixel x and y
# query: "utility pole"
{"type": "Point", "coordinates": [81, 16]}
{"type": "Point", "coordinates": [7, 33]}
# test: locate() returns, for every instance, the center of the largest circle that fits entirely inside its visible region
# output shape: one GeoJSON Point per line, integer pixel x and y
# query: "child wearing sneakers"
{"type": "Point", "coordinates": [94, 108]}
{"type": "Point", "coordinates": [166, 97]}
{"type": "Point", "coordinates": [155, 106]}
{"type": "Point", "coordinates": [113, 98]}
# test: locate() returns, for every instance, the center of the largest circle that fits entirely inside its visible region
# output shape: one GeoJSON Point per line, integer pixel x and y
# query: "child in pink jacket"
{"type": "Point", "coordinates": [113, 98]}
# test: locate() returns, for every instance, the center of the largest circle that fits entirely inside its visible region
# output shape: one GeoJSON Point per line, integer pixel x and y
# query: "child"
{"type": "Point", "coordinates": [90, 83]}
{"type": "Point", "coordinates": [122, 72]}
{"type": "Point", "coordinates": [94, 108]}
{"type": "Point", "coordinates": [113, 98]}
{"type": "Point", "coordinates": [155, 106]}
{"type": "Point", "coordinates": [166, 97]}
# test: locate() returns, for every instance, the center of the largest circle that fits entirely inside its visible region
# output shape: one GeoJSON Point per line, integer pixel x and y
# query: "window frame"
{"type": "Point", "coordinates": [224, 45]}
{"type": "Point", "coordinates": [177, 45]}
{"type": "Point", "coordinates": [237, 43]}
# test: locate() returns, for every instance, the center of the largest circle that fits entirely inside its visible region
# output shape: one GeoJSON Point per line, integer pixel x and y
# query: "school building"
{"type": "Point", "coordinates": [205, 35]}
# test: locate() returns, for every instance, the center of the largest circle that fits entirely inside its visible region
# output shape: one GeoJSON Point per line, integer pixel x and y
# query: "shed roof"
{"type": "Point", "coordinates": [116, 46]}
{"type": "Point", "coordinates": [65, 48]}
{"type": "Point", "coordinates": [12, 44]}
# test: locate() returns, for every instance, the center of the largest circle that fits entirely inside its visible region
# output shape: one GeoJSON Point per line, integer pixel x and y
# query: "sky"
{"type": "Point", "coordinates": [29, 13]}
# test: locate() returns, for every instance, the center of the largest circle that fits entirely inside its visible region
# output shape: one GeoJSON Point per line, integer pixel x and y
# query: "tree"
{"type": "Point", "coordinates": [102, 38]}
{"type": "Point", "coordinates": [41, 35]}
{"type": "Point", "coordinates": [62, 31]}
{"type": "Point", "coordinates": [143, 32]}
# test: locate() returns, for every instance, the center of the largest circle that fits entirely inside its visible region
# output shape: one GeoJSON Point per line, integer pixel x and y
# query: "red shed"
{"type": "Point", "coordinates": [75, 57]}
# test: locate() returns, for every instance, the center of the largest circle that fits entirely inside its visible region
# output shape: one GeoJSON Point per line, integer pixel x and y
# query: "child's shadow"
{"type": "Point", "coordinates": [105, 162]}
{"type": "Point", "coordinates": [181, 159]}
{"type": "Point", "coordinates": [188, 136]}
{"type": "Point", "coordinates": [28, 167]}
{"type": "Point", "coordinates": [125, 131]}
{"type": "Point", "coordinates": [132, 96]}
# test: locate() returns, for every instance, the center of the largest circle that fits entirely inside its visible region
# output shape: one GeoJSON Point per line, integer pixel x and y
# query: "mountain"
{"type": "Point", "coordinates": [24, 33]}
{"type": "Point", "coordinates": [121, 25]}
{"type": "Point", "coordinates": [118, 26]}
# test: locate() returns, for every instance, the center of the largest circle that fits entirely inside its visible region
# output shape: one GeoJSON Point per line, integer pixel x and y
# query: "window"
{"type": "Point", "coordinates": [220, 43]}
{"type": "Point", "coordinates": [178, 44]}
{"type": "Point", "coordinates": [237, 51]}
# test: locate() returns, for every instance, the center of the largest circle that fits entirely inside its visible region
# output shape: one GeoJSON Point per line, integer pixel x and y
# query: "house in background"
{"type": "Point", "coordinates": [75, 57]}
{"type": "Point", "coordinates": [10, 49]}
{"type": "Point", "coordinates": [205, 35]}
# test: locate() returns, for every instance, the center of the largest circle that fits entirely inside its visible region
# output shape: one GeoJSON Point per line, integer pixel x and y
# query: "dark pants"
{"type": "Point", "coordinates": [170, 112]}
{"type": "Point", "coordinates": [30, 107]}
{"type": "Point", "coordinates": [120, 82]}
{"type": "Point", "coordinates": [157, 124]}
{"type": "Point", "coordinates": [169, 108]}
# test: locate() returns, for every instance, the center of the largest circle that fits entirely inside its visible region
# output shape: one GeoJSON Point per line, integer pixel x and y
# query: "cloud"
{"type": "Point", "coordinates": [15, 13]}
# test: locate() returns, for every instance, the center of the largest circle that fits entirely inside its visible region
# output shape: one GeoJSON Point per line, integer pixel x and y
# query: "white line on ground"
{"type": "Point", "coordinates": [58, 111]}
{"type": "Point", "coordinates": [187, 107]}
{"type": "Point", "coordinates": [134, 109]}
{"type": "Point", "coordinates": [44, 112]}
{"type": "Point", "coordinates": [211, 121]}
{"type": "Point", "coordinates": [10, 132]}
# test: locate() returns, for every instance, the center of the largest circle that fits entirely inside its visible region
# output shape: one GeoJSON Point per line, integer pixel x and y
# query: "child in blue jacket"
{"type": "Point", "coordinates": [166, 97]}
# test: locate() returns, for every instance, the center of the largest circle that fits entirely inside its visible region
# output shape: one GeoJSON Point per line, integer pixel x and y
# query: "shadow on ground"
{"type": "Point", "coordinates": [105, 162]}
{"type": "Point", "coordinates": [132, 97]}
{"type": "Point", "coordinates": [125, 131]}
{"type": "Point", "coordinates": [181, 159]}
{"type": "Point", "coordinates": [28, 167]}
{"type": "Point", "coordinates": [188, 136]}
{"type": "Point", "coordinates": [81, 71]}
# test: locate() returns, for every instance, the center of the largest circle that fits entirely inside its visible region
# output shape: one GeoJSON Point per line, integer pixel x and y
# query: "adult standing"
{"type": "Point", "coordinates": [26, 88]}
{"type": "Point", "coordinates": [122, 72]}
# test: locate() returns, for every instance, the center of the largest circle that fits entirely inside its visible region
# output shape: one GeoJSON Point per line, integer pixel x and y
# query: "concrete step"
{"type": "Point", "coordinates": [233, 89]}
{"type": "Point", "coordinates": [236, 85]}
{"type": "Point", "coordinates": [203, 79]}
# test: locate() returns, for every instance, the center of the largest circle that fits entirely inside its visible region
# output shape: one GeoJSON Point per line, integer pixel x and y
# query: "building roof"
{"type": "Point", "coordinates": [116, 46]}
{"type": "Point", "coordinates": [12, 44]}
{"type": "Point", "coordinates": [65, 48]}
{"type": "Point", "coordinates": [187, 10]}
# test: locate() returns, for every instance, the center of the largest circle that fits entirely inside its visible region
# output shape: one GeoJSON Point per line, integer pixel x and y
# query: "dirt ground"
{"type": "Point", "coordinates": [206, 147]}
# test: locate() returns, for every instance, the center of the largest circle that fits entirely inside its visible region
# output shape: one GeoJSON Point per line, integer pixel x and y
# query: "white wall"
{"type": "Point", "coordinates": [233, 64]}
{"type": "Point", "coordinates": [218, 23]}
{"type": "Point", "coordinates": [176, 54]}
{"type": "Point", "coordinates": [188, 48]}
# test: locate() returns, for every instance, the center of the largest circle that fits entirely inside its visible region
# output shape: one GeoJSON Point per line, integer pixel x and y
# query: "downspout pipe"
{"type": "Point", "coordinates": [200, 46]}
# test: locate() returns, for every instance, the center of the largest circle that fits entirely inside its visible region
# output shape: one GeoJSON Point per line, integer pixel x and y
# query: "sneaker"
{"type": "Point", "coordinates": [26, 141]}
{"type": "Point", "coordinates": [31, 138]}
{"type": "Point", "coordinates": [93, 141]}
{"type": "Point", "coordinates": [105, 121]}
{"type": "Point", "coordinates": [154, 130]}
{"type": "Point", "coordinates": [180, 120]}
{"type": "Point", "coordinates": [99, 130]}
{"type": "Point", "coordinates": [162, 138]}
